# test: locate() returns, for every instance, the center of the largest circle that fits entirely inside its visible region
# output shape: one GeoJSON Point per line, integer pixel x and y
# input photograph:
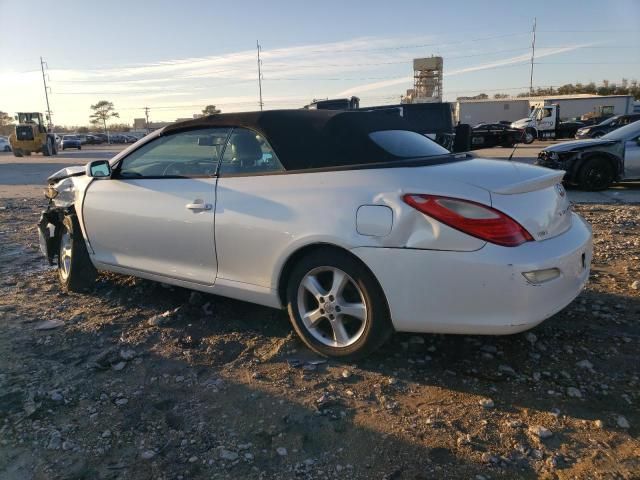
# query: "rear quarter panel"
{"type": "Point", "coordinates": [262, 220]}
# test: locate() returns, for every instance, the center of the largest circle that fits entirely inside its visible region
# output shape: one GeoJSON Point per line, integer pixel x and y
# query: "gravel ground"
{"type": "Point", "coordinates": [138, 380]}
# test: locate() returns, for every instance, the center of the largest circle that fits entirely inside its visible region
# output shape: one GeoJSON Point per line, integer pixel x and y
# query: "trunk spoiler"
{"type": "Point", "coordinates": [531, 184]}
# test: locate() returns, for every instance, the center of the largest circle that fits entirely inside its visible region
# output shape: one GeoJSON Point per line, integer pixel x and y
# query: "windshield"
{"type": "Point", "coordinates": [628, 132]}
{"type": "Point", "coordinates": [407, 144]}
{"type": "Point", "coordinates": [608, 121]}
{"type": "Point", "coordinates": [69, 137]}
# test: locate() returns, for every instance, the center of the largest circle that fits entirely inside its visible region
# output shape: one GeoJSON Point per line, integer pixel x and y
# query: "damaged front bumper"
{"type": "Point", "coordinates": [48, 229]}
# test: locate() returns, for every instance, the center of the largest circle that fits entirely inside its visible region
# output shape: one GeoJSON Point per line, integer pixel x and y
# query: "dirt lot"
{"type": "Point", "coordinates": [138, 380]}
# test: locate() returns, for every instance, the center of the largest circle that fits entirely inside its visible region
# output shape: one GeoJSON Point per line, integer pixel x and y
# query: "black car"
{"type": "Point", "coordinates": [608, 125]}
{"type": "Point", "coordinates": [486, 135]}
{"type": "Point", "coordinates": [93, 140]}
{"type": "Point", "coordinates": [594, 164]}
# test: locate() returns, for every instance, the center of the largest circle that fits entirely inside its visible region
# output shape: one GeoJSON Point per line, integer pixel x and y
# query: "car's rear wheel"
{"type": "Point", "coordinates": [336, 305]}
{"type": "Point", "coordinates": [596, 174]}
{"type": "Point", "coordinates": [75, 270]}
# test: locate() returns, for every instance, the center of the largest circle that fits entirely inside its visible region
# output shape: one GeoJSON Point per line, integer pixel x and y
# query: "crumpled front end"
{"type": "Point", "coordinates": [62, 197]}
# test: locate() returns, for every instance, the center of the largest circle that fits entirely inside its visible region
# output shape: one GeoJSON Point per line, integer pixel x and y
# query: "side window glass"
{"type": "Point", "coordinates": [248, 153]}
{"type": "Point", "coordinates": [194, 153]}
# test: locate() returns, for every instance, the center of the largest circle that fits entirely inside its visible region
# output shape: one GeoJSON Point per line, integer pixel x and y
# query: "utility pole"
{"type": "Point", "coordinates": [259, 75]}
{"type": "Point", "coordinates": [46, 92]}
{"type": "Point", "coordinates": [146, 114]}
{"type": "Point", "coordinates": [533, 55]}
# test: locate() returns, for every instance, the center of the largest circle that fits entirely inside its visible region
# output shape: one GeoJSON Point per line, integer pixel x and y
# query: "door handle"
{"type": "Point", "coordinates": [199, 206]}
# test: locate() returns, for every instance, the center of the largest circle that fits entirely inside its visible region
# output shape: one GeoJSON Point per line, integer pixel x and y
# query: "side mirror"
{"type": "Point", "coordinates": [99, 169]}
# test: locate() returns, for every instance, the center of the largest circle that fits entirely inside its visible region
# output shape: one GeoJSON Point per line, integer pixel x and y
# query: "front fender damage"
{"type": "Point", "coordinates": [62, 196]}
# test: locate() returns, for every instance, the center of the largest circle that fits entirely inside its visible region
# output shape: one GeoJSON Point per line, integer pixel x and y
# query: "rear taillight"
{"type": "Point", "coordinates": [471, 218]}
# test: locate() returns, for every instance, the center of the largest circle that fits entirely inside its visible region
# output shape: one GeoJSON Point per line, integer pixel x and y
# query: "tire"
{"type": "Point", "coordinates": [80, 148]}
{"type": "Point", "coordinates": [529, 136]}
{"type": "Point", "coordinates": [47, 149]}
{"type": "Point", "coordinates": [75, 270]}
{"type": "Point", "coordinates": [7, 148]}
{"type": "Point", "coordinates": [336, 333]}
{"type": "Point", "coordinates": [596, 174]}
{"type": "Point", "coordinates": [17, 153]}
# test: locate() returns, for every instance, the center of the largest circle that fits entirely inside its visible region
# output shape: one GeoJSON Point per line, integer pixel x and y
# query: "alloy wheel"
{"type": "Point", "coordinates": [65, 255]}
{"type": "Point", "coordinates": [332, 307]}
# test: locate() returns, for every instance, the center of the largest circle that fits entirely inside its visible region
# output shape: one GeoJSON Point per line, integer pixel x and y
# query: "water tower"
{"type": "Point", "coordinates": [427, 80]}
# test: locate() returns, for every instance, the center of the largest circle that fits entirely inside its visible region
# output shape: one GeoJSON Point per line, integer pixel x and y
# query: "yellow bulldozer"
{"type": "Point", "coordinates": [31, 136]}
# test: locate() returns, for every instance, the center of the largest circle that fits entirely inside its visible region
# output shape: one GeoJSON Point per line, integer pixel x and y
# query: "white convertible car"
{"type": "Point", "coordinates": [353, 222]}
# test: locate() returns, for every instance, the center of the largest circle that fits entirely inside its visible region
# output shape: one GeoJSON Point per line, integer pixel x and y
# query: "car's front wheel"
{"type": "Point", "coordinates": [596, 174]}
{"type": "Point", "coordinates": [336, 305]}
{"type": "Point", "coordinates": [529, 136]}
{"type": "Point", "coordinates": [75, 270]}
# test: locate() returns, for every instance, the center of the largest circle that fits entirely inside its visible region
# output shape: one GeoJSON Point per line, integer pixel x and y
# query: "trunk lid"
{"type": "Point", "coordinates": [532, 196]}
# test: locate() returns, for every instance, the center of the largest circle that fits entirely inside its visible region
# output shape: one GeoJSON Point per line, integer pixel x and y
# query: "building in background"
{"type": "Point", "coordinates": [140, 124]}
{"type": "Point", "coordinates": [427, 81]}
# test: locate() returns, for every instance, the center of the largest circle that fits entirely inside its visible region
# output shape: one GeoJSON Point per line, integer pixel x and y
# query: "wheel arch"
{"type": "Point", "coordinates": [297, 255]}
{"type": "Point", "coordinates": [614, 161]}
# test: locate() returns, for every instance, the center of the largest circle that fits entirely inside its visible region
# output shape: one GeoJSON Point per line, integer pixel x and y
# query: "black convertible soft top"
{"type": "Point", "coordinates": [305, 139]}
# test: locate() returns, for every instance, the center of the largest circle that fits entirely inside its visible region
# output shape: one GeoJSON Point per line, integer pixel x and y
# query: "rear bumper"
{"type": "Point", "coordinates": [481, 292]}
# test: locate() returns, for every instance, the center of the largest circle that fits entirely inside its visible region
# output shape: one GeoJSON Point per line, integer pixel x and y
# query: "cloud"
{"type": "Point", "coordinates": [408, 79]}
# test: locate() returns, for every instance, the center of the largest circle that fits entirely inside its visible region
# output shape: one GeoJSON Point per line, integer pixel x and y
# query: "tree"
{"type": "Point", "coordinates": [103, 111]}
{"type": "Point", "coordinates": [83, 130]}
{"type": "Point", "coordinates": [6, 123]}
{"type": "Point", "coordinates": [210, 110]}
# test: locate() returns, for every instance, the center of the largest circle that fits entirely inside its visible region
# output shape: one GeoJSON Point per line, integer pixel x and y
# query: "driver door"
{"type": "Point", "coordinates": [156, 213]}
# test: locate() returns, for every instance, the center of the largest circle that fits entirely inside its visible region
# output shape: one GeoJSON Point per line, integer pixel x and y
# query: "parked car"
{"type": "Point", "coordinates": [4, 144]}
{"type": "Point", "coordinates": [71, 141]}
{"type": "Point", "coordinates": [609, 125]}
{"type": "Point", "coordinates": [93, 140]}
{"type": "Point", "coordinates": [485, 135]}
{"type": "Point", "coordinates": [102, 137]}
{"type": "Point", "coordinates": [117, 138]}
{"type": "Point", "coordinates": [596, 163]}
{"type": "Point", "coordinates": [355, 223]}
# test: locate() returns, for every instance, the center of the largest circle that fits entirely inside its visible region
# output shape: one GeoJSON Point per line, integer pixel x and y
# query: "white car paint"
{"type": "Point", "coordinates": [435, 278]}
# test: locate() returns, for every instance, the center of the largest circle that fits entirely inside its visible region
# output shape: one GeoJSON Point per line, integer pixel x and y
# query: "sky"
{"type": "Point", "coordinates": [176, 57]}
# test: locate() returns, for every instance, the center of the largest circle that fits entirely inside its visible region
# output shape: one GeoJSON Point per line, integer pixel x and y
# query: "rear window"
{"type": "Point", "coordinates": [407, 144]}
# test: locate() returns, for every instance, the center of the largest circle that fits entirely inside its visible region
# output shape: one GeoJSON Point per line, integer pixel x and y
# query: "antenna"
{"type": "Point", "coordinates": [46, 91]}
{"type": "Point", "coordinates": [259, 75]}
{"type": "Point", "coordinates": [533, 55]}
